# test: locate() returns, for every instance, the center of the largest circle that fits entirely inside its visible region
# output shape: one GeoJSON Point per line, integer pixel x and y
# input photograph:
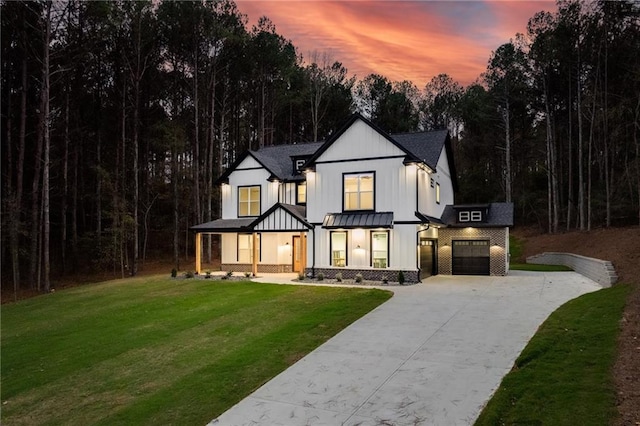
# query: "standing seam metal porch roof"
{"type": "Point", "coordinates": [358, 220]}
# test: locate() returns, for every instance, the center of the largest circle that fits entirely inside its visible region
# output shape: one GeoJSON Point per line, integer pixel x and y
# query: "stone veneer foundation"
{"type": "Point", "coordinates": [367, 274]}
{"type": "Point", "coordinates": [264, 268]}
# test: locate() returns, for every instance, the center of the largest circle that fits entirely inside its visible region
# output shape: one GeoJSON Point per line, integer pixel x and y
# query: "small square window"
{"type": "Point", "coordinates": [463, 217]}
{"type": "Point", "coordinates": [476, 216]}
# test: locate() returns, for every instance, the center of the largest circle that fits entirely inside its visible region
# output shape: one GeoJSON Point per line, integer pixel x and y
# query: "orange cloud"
{"type": "Point", "coordinates": [401, 40]}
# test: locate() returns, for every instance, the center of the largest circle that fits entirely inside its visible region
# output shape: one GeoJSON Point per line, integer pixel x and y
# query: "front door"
{"type": "Point", "coordinates": [427, 258]}
{"type": "Point", "coordinates": [297, 254]}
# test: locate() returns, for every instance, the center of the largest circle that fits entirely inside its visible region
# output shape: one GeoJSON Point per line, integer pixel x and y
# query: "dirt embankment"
{"type": "Point", "coordinates": [622, 247]}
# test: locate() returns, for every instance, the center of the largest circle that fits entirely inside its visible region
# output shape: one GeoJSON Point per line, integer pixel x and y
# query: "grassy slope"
{"type": "Point", "coordinates": [160, 351]}
{"type": "Point", "coordinates": [518, 263]}
{"type": "Point", "coordinates": [564, 375]}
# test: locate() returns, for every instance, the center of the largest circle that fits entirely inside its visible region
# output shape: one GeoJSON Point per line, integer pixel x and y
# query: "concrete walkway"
{"type": "Point", "coordinates": [432, 355]}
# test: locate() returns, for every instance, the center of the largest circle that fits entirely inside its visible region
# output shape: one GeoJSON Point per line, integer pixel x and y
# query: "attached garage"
{"type": "Point", "coordinates": [470, 257]}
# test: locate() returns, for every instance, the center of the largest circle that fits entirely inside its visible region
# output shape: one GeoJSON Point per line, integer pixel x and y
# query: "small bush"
{"type": "Point", "coordinates": [301, 276]}
{"type": "Point", "coordinates": [358, 278]}
{"type": "Point", "coordinates": [207, 275]}
{"type": "Point", "coordinates": [339, 277]}
{"type": "Point", "coordinates": [229, 274]}
{"type": "Point", "coordinates": [385, 280]}
{"type": "Point", "coordinates": [401, 277]}
{"type": "Point", "coordinates": [189, 274]}
{"type": "Point", "coordinates": [320, 276]}
{"type": "Point", "coordinates": [174, 273]}
{"type": "Point", "coordinates": [247, 274]}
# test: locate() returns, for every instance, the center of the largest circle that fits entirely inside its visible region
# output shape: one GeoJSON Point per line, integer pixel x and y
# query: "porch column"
{"type": "Point", "coordinates": [198, 252]}
{"type": "Point", "coordinates": [303, 251]}
{"type": "Point", "coordinates": [254, 265]}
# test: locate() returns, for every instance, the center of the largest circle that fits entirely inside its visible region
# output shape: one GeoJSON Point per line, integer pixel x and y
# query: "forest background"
{"type": "Point", "coordinates": [118, 116]}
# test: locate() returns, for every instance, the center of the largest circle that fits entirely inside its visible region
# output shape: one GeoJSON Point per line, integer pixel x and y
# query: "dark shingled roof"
{"type": "Point", "coordinates": [225, 225]}
{"type": "Point", "coordinates": [498, 215]}
{"type": "Point", "coordinates": [425, 146]}
{"type": "Point", "coordinates": [358, 220]}
{"type": "Point", "coordinates": [419, 146]}
{"type": "Point", "coordinates": [277, 159]}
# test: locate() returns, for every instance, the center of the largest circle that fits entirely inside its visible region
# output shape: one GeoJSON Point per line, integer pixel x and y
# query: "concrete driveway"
{"type": "Point", "coordinates": [432, 355]}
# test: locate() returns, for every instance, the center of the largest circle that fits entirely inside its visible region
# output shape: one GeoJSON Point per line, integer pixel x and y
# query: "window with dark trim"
{"type": "Point", "coordinates": [380, 249]}
{"type": "Point", "coordinates": [245, 248]}
{"type": "Point", "coordinates": [248, 201]}
{"type": "Point", "coordinates": [358, 191]}
{"type": "Point", "coordinates": [301, 193]}
{"type": "Point", "coordinates": [338, 249]}
{"type": "Point", "coordinates": [437, 193]}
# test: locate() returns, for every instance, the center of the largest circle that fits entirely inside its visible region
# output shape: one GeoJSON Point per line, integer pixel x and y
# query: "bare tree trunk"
{"type": "Point", "coordinates": [196, 149]}
{"type": "Point", "coordinates": [607, 176]}
{"type": "Point", "coordinates": [636, 128]}
{"type": "Point", "coordinates": [570, 171]}
{"type": "Point", "coordinates": [507, 122]}
{"type": "Point", "coordinates": [176, 205]}
{"type": "Point", "coordinates": [581, 206]}
{"type": "Point", "coordinates": [47, 149]}
{"type": "Point", "coordinates": [35, 200]}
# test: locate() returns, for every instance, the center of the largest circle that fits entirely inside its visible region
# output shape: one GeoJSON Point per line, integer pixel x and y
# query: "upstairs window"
{"type": "Point", "coordinates": [358, 191]}
{"type": "Point", "coordinates": [301, 193]}
{"type": "Point", "coordinates": [249, 201]}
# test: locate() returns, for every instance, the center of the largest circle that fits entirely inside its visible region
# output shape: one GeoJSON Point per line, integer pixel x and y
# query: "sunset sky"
{"type": "Point", "coordinates": [402, 40]}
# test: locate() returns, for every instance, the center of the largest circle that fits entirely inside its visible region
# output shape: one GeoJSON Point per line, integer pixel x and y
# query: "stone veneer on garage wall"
{"type": "Point", "coordinates": [498, 240]}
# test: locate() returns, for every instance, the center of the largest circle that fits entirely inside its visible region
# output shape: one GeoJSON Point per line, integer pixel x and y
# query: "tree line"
{"type": "Point", "coordinates": [118, 116]}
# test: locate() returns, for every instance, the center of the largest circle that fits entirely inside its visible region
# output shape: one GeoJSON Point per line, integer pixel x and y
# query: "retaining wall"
{"type": "Point", "coordinates": [600, 271]}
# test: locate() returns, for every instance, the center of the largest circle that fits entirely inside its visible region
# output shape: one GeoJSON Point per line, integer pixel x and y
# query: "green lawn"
{"type": "Point", "coordinates": [517, 262]}
{"type": "Point", "coordinates": [160, 351]}
{"type": "Point", "coordinates": [563, 376]}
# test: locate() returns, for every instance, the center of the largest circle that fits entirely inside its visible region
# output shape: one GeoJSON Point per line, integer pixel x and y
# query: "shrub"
{"type": "Point", "coordinates": [229, 274]}
{"type": "Point", "coordinates": [385, 280]}
{"type": "Point", "coordinates": [301, 276]}
{"type": "Point", "coordinates": [339, 277]}
{"type": "Point", "coordinates": [189, 274]}
{"type": "Point", "coordinates": [358, 278]}
{"type": "Point", "coordinates": [207, 275]}
{"type": "Point", "coordinates": [320, 276]}
{"type": "Point", "coordinates": [174, 273]}
{"type": "Point", "coordinates": [247, 274]}
{"type": "Point", "coordinates": [401, 277]}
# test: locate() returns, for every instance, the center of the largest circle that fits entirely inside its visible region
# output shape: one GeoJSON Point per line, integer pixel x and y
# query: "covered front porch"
{"type": "Point", "coordinates": [275, 242]}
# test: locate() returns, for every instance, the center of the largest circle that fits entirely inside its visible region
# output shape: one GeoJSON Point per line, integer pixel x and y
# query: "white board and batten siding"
{"type": "Point", "coordinates": [427, 193]}
{"type": "Point", "coordinates": [280, 219]}
{"type": "Point", "coordinates": [248, 173]}
{"type": "Point", "coordinates": [394, 185]}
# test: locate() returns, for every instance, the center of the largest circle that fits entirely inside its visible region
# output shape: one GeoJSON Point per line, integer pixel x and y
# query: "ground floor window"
{"type": "Point", "coordinates": [380, 249]}
{"type": "Point", "coordinates": [245, 248]}
{"type": "Point", "coordinates": [339, 249]}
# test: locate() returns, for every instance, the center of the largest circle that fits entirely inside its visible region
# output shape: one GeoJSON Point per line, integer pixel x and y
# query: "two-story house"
{"type": "Point", "coordinates": [364, 201]}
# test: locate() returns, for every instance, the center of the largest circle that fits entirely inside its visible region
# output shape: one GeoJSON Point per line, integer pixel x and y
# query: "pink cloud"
{"type": "Point", "coordinates": [400, 40]}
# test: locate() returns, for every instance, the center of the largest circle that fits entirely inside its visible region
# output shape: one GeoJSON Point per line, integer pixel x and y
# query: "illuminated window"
{"type": "Point", "coordinates": [245, 248]}
{"type": "Point", "coordinates": [249, 201]}
{"type": "Point", "coordinates": [358, 191]}
{"type": "Point", "coordinates": [339, 249]}
{"type": "Point", "coordinates": [380, 249]}
{"type": "Point", "coordinates": [301, 193]}
{"type": "Point", "coordinates": [476, 216]}
{"type": "Point", "coordinates": [437, 193]}
{"type": "Point", "coordinates": [463, 216]}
